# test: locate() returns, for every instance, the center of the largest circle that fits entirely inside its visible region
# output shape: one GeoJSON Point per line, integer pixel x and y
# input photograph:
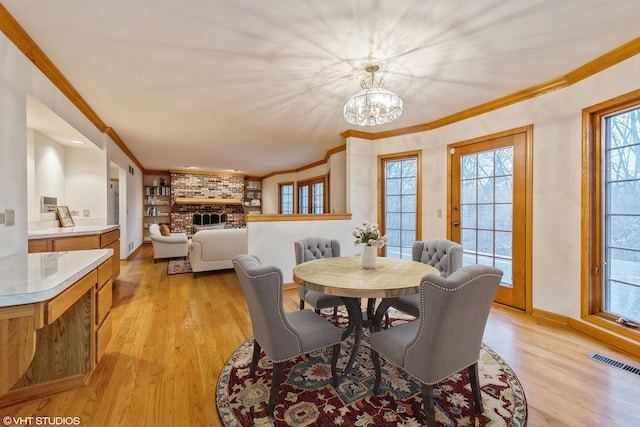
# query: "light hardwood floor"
{"type": "Point", "coordinates": [172, 335]}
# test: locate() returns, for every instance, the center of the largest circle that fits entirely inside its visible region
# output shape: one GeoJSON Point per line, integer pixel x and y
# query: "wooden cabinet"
{"type": "Point", "coordinates": [106, 240]}
{"type": "Point", "coordinates": [55, 345]}
{"type": "Point", "coordinates": [104, 299]}
{"type": "Point", "coordinates": [156, 202]}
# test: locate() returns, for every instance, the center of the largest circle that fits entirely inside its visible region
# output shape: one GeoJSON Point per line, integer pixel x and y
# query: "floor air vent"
{"type": "Point", "coordinates": [615, 363]}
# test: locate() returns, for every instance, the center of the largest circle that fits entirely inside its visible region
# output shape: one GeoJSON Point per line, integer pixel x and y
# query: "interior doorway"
{"type": "Point", "coordinates": [117, 202]}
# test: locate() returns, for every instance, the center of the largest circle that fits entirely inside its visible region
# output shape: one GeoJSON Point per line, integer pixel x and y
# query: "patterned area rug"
{"type": "Point", "coordinates": [178, 266]}
{"type": "Point", "coordinates": [307, 397]}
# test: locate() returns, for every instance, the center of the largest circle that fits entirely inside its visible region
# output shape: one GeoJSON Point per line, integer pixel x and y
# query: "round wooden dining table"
{"type": "Point", "coordinates": [345, 277]}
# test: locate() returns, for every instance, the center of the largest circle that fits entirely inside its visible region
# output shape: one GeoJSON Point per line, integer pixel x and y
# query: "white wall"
{"type": "Point", "coordinates": [13, 147]}
{"type": "Point", "coordinates": [557, 157]}
{"type": "Point", "coordinates": [272, 242]}
{"type": "Point", "coordinates": [49, 165]}
{"type": "Point", "coordinates": [86, 185]}
{"type": "Point", "coordinates": [338, 182]}
{"type": "Point", "coordinates": [74, 176]}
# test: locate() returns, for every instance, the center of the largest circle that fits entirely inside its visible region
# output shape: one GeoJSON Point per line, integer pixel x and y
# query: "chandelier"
{"type": "Point", "coordinates": [373, 105]}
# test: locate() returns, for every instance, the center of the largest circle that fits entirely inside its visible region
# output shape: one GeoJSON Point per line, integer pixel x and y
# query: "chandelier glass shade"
{"type": "Point", "coordinates": [373, 105]}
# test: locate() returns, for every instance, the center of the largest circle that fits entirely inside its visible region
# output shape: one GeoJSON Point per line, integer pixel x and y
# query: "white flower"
{"type": "Point", "coordinates": [369, 234]}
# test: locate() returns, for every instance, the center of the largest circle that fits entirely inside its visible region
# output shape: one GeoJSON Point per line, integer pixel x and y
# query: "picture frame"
{"type": "Point", "coordinates": [64, 216]}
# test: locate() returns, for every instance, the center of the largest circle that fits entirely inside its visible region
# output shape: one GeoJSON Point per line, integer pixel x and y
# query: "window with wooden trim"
{"type": "Point", "coordinates": [400, 195]}
{"type": "Point", "coordinates": [313, 196]}
{"type": "Point", "coordinates": [611, 204]}
{"type": "Point", "coordinates": [285, 198]}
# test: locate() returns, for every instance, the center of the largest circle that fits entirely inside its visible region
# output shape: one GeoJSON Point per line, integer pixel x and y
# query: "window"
{"type": "Point", "coordinates": [312, 196]}
{"type": "Point", "coordinates": [285, 194]}
{"type": "Point", "coordinates": [400, 196]}
{"type": "Point", "coordinates": [611, 263]}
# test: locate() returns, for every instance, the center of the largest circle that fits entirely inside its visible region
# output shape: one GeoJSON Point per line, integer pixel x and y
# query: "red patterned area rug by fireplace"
{"type": "Point", "coordinates": [307, 397]}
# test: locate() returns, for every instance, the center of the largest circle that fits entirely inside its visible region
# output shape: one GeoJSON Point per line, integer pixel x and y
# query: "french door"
{"type": "Point", "coordinates": [489, 207]}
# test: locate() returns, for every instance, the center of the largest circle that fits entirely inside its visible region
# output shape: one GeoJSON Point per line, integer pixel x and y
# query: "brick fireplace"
{"type": "Point", "coordinates": [205, 193]}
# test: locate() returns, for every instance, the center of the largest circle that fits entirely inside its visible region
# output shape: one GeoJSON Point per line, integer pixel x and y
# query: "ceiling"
{"type": "Point", "coordinates": [258, 86]}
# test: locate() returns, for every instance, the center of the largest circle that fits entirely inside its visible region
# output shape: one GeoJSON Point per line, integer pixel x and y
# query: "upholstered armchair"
{"type": "Point", "coordinates": [308, 249]}
{"type": "Point", "coordinates": [442, 254]}
{"type": "Point", "coordinates": [446, 337]}
{"type": "Point", "coordinates": [282, 336]}
{"type": "Point", "coordinates": [171, 246]}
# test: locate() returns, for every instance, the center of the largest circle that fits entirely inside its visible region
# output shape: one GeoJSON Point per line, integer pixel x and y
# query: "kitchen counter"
{"type": "Point", "coordinates": [29, 278]}
{"type": "Point", "coordinates": [80, 237]}
{"type": "Point", "coordinates": [78, 230]}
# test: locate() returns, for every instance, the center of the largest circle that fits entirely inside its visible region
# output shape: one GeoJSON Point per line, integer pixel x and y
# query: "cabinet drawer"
{"type": "Point", "coordinates": [105, 271]}
{"type": "Point", "coordinates": [104, 301]}
{"type": "Point", "coordinates": [107, 238]}
{"type": "Point", "coordinates": [76, 243]}
{"type": "Point", "coordinates": [40, 245]}
{"type": "Point", "coordinates": [66, 299]}
{"type": "Point", "coordinates": [103, 336]}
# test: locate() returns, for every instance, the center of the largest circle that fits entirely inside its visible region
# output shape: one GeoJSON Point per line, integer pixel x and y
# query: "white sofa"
{"type": "Point", "coordinates": [173, 246]}
{"type": "Point", "coordinates": [214, 249]}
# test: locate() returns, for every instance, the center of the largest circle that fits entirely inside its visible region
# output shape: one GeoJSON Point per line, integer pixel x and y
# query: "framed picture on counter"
{"type": "Point", "coordinates": [65, 216]}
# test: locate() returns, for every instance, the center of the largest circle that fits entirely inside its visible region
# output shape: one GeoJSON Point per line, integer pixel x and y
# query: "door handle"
{"type": "Point", "coordinates": [456, 223]}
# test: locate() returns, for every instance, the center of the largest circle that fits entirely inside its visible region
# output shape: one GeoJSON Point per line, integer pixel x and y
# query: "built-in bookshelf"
{"type": "Point", "coordinates": [252, 196]}
{"type": "Point", "coordinates": [156, 201]}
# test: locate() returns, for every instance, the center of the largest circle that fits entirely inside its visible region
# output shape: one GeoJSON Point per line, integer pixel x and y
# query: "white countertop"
{"type": "Point", "coordinates": [78, 230]}
{"type": "Point", "coordinates": [29, 278]}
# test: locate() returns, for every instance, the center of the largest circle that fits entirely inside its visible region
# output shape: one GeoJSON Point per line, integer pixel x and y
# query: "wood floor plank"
{"type": "Point", "coordinates": [173, 334]}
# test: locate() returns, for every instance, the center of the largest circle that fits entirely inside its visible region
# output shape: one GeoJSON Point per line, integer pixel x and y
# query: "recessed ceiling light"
{"type": "Point", "coordinates": [76, 141]}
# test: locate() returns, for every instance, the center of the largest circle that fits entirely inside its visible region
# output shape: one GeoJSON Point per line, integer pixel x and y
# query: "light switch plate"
{"type": "Point", "coordinates": [9, 217]}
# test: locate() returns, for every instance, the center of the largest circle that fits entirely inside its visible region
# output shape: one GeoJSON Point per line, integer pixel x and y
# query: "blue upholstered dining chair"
{"type": "Point", "coordinates": [308, 249]}
{"type": "Point", "coordinates": [446, 337]}
{"type": "Point", "coordinates": [282, 336]}
{"type": "Point", "coordinates": [442, 254]}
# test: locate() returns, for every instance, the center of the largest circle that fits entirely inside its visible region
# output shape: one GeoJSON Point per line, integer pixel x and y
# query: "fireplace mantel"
{"type": "Point", "coordinates": [200, 201]}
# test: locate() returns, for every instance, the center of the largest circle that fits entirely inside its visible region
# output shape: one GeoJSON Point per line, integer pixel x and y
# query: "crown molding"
{"type": "Point", "coordinates": [327, 156]}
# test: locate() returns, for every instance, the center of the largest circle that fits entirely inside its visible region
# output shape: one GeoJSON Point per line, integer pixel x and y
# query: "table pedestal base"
{"type": "Point", "coordinates": [357, 321]}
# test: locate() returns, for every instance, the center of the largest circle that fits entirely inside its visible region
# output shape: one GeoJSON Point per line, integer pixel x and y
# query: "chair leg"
{"type": "Point", "coordinates": [275, 386]}
{"type": "Point", "coordinates": [255, 358]}
{"type": "Point", "coordinates": [428, 406]}
{"type": "Point", "coordinates": [386, 320]}
{"type": "Point", "coordinates": [301, 304]}
{"type": "Point", "coordinates": [317, 310]}
{"type": "Point", "coordinates": [376, 367]}
{"type": "Point", "coordinates": [335, 311]}
{"type": "Point", "coordinates": [475, 386]}
{"type": "Point", "coordinates": [334, 365]}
